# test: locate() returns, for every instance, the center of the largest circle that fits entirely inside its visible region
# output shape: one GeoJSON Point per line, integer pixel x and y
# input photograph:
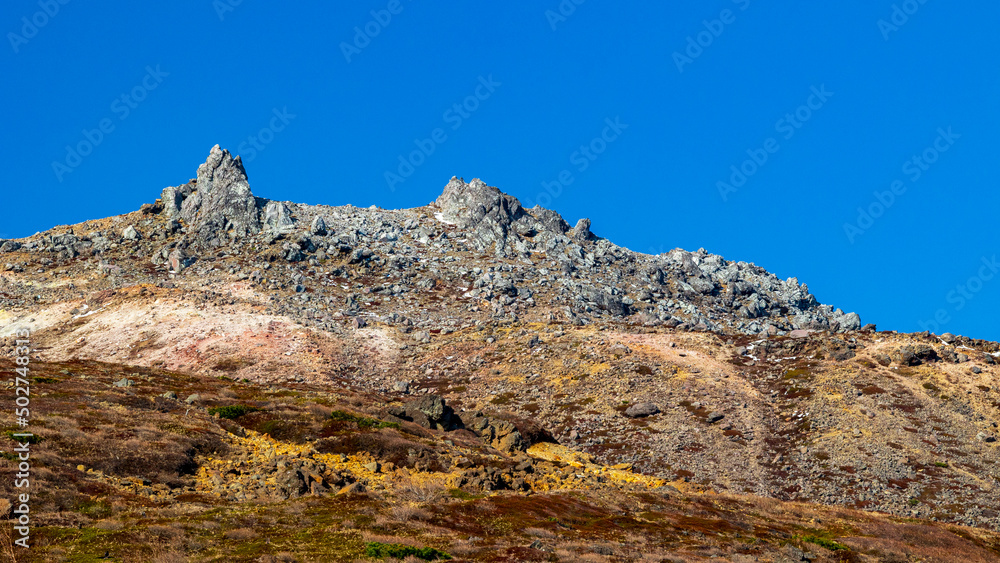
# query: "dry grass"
{"type": "Point", "coordinates": [171, 557]}
{"type": "Point", "coordinates": [240, 534]}
{"type": "Point", "coordinates": [539, 533]}
{"type": "Point", "coordinates": [423, 492]}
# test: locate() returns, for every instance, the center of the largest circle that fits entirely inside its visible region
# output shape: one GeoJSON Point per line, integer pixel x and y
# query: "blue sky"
{"type": "Point", "coordinates": [850, 144]}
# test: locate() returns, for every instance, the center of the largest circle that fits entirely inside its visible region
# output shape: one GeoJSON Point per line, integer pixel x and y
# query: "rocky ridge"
{"type": "Point", "coordinates": [545, 270]}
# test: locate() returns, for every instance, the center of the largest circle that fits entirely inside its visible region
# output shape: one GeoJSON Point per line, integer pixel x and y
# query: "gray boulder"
{"type": "Point", "coordinates": [581, 231]}
{"type": "Point", "coordinates": [318, 226]}
{"type": "Point", "coordinates": [173, 198]}
{"type": "Point", "coordinates": [177, 259]}
{"type": "Point", "coordinates": [130, 233]}
{"type": "Point", "coordinates": [640, 410]}
{"type": "Point", "coordinates": [278, 217]}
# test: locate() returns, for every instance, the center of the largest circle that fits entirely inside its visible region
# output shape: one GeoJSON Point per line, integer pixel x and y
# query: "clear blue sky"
{"type": "Point", "coordinates": [531, 89]}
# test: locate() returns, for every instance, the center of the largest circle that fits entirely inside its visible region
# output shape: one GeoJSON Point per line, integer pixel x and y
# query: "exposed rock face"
{"type": "Point", "coordinates": [486, 211]}
{"type": "Point", "coordinates": [500, 434]}
{"type": "Point", "coordinates": [222, 202]}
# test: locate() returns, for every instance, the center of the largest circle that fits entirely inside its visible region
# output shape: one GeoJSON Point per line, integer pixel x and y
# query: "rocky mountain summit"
{"type": "Point", "coordinates": [546, 269]}
{"type": "Point", "coordinates": [217, 373]}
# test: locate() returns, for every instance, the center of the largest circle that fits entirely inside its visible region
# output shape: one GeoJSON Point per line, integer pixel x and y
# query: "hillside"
{"type": "Point", "coordinates": [217, 376]}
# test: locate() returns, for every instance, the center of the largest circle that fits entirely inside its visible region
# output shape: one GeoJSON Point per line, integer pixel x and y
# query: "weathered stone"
{"type": "Point", "coordinates": [640, 410]}
{"type": "Point", "coordinates": [581, 231]}
{"type": "Point", "coordinates": [131, 233]}
{"type": "Point", "coordinates": [290, 482]}
{"type": "Point", "coordinates": [278, 217]}
{"type": "Point", "coordinates": [352, 489]}
{"type": "Point", "coordinates": [177, 260]}
{"type": "Point", "coordinates": [318, 227]}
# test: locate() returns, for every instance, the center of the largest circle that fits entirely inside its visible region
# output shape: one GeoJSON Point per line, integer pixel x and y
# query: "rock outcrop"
{"type": "Point", "coordinates": [222, 203]}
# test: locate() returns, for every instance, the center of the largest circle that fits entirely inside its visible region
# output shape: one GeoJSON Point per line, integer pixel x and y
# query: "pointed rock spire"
{"type": "Point", "coordinates": [222, 201]}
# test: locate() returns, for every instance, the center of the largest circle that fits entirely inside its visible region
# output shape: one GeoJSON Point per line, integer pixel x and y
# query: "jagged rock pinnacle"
{"type": "Point", "coordinates": [221, 201]}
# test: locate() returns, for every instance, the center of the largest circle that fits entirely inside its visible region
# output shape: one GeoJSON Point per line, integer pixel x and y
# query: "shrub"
{"type": "Point", "coordinates": [463, 495]}
{"type": "Point", "coordinates": [362, 421]}
{"type": "Point", "coordinates": [399, 551]}
{"type": "Point", "coordinates": [26, 439]}
{"type": "Point", "coordinates": [823, 542]}
{"type": "Point", "coordinates": [232, 411]}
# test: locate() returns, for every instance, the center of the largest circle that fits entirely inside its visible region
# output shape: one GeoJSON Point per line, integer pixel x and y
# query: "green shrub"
{"type": "Point", "coordinates": [823, 542]}
{"type": "Point", "coordinates": [460, 494]}
{"type": "Point", "coordinates": [26, 439]}
{"type": "Point", "coordinates": [232, 411]}
{"type": "Point", "coordinates": [941, 463]}
{"type": "Point", "coordinates": [399, 551]}
{"type": "Point", "coordinates": [362, 421]}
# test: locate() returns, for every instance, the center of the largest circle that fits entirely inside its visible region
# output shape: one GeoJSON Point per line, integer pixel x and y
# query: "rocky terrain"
{"type": "Point", "coordinates": [217, 376]}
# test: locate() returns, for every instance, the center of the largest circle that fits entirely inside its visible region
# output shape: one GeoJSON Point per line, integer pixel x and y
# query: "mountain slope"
{"type": "Point", "coordinates": [473, 355]}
